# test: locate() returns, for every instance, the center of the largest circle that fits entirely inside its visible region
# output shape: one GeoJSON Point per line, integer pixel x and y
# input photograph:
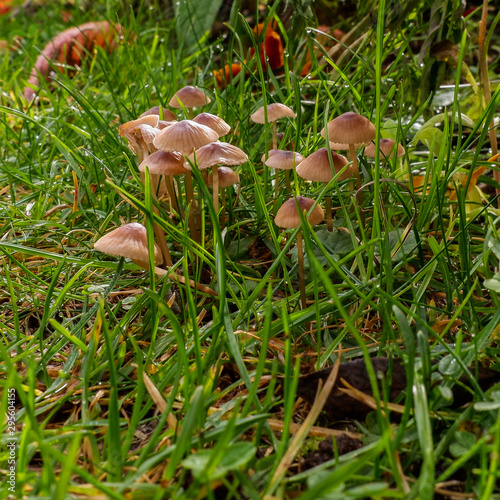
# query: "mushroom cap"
{"type": "Point", "coordinates": [386, 149]}
{"type": "Point", "coordinates": [164, 163]}
{"type": "Point", "coordinates": [155, 110]}
{"type": "Point", "coordinates": [214, 122]}
{"type": "Point", "coordinates": [133, 131]}
{"type": "Point", "coordinates": [145, 132]}
{"type": "Point", "coordinates": [126, 129]}
{"type": "Point", "coordinates": [131, 241]}
{"type": "Point", "coordinates": [164, 124]}
{"type": "Point", "coordinates": [288, 215]}
{"type": "Point", "coordinates": [217, 153]}
{"type": "Point", "coordinates": [184, 136]}
{"type": "Point", "coordinates": [283, 160]}
{"type": "Point", "coordinates": [316, 167]}
{"type": "Point", "coordinates": [227, 177]}
{"type": "Point", "coordinates": [350, 128]}
{"type": "Point", "coordinates": [190, 97]}
{"type": "Point", "coordinates": [275, 111]}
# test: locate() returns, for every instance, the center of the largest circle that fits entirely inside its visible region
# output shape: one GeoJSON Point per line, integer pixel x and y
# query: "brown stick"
{"type": "Point", "coordinates": [215, 187]}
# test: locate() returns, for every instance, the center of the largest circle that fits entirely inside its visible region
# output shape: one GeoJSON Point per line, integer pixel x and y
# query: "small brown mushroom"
{"type": "Point", "coordinates": [130, 241]}
{"type": "Point", "coordinates": [275, 111]}
{"type": "Point", "coordinates": [288, 217]}
{"type": "Point", "coordinates": [318, 167]}
{"type": "Point", "coordinates": [214, 122]}
{"type": "Point", "coordinates": [349, 130]}
{"type": "Point", "coordinates": [282, 160]}
{"type": "Point", "coordinates": [388, 148]}
{"type": "Point", "coordinates": [189, 97]}
{"type": "Point", "coordinates": [217, 153]}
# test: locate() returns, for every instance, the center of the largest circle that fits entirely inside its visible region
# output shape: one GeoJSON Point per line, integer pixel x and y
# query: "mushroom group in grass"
{"type": "Point", "coordinates": [288, 217]}
{"type": "Point", "coordinates": [184, 137]}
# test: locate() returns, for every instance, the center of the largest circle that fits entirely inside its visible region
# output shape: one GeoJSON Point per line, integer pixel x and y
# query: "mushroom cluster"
{"type": "Point", "coordinates": [168, 148]}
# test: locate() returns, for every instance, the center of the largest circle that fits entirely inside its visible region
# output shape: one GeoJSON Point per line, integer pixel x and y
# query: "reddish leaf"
{"type": "Point", "coordinates": [70, 47]}
{"type": "Point", "coordinates": [271, 48]}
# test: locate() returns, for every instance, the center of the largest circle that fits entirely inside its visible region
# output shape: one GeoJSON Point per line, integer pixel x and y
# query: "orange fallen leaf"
{"type": "Point", "coordinates": [223, 76]}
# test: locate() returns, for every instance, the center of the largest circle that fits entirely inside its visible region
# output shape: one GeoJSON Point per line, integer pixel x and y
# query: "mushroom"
{"type": "Point", "coordinates": [288, 217]}
{"type": "Point", "coordinates": [131, 241]}
{"type": "Point", "coordinates": [318, 167]}
{"type": "Point", "coordinates": [185, 136]}
{"type": "Point", "coordinates": [213, 154]}
{"type": "Point", "coordinates": [214, 122]}
{"type": "Point", "coordinates": [163, 113]}
{"type": "Point", "coordinates": [167, 164]}
{"type": "Point", "coordinates": [348, 131]}
{"type": "Point", "coordinates": [282, 160]}
{"type": "Point", "coordinates": [189, 97]}
{"type": "Point", "coordinates": [275, 111]}
{"type": "Point", "coordinates": [388, 147]}
{"type": "Point", "coordinates": [140, 135]}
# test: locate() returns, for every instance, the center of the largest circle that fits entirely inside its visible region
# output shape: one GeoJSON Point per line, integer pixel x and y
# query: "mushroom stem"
{"type": "Point", "coordinates": [162, 242]}
{"type": "Point", "coordinates": [215, 188]}
{"type": "Point", "coordinates": [159, 233]}
{"type": "Point", "coordinates": [328, 208]}
{"type": "Point", "coordinates": [302, 281]}
{"type": "Point", "coordinates": [276, 185]}
{"type": "Point", "coordinates": [355, 168]}
{"type": "Point", "coordinates": [287, 183]}
{"type": "Point", "coordinates": [275, 136]}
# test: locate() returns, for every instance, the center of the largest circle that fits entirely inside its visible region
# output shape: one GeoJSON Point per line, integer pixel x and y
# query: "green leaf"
{"type": "Point", "coordinates": [235, 456]}
{"type": "Point", "coordinates": [194, 19]}
{"type": "Point", "coordinates": [493, 283]}
{"type": "Point", "coordinates": [464, 442]}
